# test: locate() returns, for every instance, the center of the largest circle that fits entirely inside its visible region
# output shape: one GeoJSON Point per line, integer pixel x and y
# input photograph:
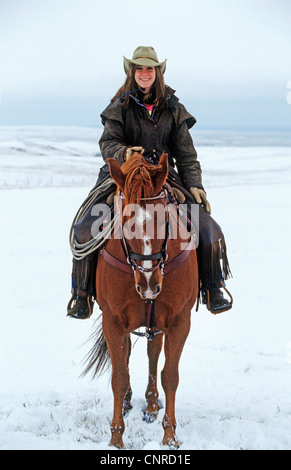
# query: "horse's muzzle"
{"type": "Point", "coordinates": [148, 294]}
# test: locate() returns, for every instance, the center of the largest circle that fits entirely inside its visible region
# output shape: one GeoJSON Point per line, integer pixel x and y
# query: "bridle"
{"type": "Point", "coordinates": [132, 258]}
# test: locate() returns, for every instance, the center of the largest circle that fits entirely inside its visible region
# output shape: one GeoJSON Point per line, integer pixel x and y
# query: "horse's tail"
{"type": "Point", "coordinates": [98, 357]}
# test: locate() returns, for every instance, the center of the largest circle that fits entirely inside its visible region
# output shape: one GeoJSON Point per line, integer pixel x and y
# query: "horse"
{"type": "Point", "coordinates": [144, 281]}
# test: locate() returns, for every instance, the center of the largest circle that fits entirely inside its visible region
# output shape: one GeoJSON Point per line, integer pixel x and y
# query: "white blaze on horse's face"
{"type": "Point", "coordinates": [146, 292]}
{"type": "Point", "coordinates": [147, 264]}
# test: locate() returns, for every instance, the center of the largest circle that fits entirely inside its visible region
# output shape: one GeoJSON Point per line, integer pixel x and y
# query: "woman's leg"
{"type": "Point", "coordinates": [213, 263]}
{"type": "Point", "coordinates": [84, 270]}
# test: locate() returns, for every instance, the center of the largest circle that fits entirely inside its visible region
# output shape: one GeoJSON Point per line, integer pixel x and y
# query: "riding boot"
{"type": "Point", "coordinates": [215, 301]}
{"type": "Point", "coordinates": [81, 303]}
{"type": "Point", "coordinates": [82, 309]}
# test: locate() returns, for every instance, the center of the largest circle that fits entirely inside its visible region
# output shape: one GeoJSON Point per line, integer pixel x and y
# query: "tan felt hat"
{"type": "Point", "coordinates": [145, 56]}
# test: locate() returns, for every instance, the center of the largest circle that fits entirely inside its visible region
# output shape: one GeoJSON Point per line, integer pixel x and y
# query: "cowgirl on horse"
{"type": "Point", "coordinates": [146, 117]}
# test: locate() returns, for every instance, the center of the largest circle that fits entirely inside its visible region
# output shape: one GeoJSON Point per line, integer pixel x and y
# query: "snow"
{"type": "Point", "coordinates": [235, 371]}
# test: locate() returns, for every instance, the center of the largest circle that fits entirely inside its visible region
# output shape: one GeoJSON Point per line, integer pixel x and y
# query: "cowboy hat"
{"type": "Point", "coordinates": [145, 56]}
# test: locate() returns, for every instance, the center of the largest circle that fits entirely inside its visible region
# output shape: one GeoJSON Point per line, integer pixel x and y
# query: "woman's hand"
{"type": "Point", "coordinates": [130, 151]}
{"type": "Point", "coordinates": [200, 197]}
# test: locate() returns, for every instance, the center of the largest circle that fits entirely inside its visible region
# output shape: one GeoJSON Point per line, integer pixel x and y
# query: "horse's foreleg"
{"type": "Point", "coordinates": [127, 399]}
{"type": "Point", "coordinates": [154, 348]}
{"type": "Point", "coordinates": [118, 349]}
{"type": "Point", "coordinates": [174, 343]}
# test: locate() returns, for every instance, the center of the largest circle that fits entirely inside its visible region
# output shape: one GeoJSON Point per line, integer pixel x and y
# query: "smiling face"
{"type": "Point", "coordinates": [145, 77]}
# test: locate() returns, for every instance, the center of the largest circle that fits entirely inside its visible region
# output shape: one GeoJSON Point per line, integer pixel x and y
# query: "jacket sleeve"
{"type": "Point", "coordinates": [186, 157]}
{"type": "Point", "coordinates": [112, 142]}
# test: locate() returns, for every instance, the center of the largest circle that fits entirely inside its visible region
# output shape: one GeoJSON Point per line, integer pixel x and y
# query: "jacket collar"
{"type": "Point", "coordinates": [171, 98]}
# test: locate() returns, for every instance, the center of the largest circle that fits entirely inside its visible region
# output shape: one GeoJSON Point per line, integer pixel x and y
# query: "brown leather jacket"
{"type": "Point", "coordinates": [163, 132]}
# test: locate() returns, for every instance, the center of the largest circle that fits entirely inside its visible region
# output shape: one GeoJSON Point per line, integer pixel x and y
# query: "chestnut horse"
{"type": "Point", "coordinates": [159, 272]}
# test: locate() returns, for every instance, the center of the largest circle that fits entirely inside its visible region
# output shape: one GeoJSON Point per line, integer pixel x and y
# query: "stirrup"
{"type": "Point", "coordinates": [76, 316]}
{"type": "Point", "coordinates": [217, 312]}
{"type": "Point", "coordinates": [69, 306]}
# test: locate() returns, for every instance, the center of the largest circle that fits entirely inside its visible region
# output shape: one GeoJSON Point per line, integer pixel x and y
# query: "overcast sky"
{"type": "Point", "coordinates": [62, 60]}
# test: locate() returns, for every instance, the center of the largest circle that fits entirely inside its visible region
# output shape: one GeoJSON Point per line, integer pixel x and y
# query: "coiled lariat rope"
{"type": "Point", "coordinates": [81, 250]}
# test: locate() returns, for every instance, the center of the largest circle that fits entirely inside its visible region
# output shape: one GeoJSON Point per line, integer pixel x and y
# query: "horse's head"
{"type": "Point", "coordinates": [144, 220]}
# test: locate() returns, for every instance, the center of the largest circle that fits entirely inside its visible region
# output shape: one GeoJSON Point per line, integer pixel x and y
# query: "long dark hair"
{"type": "Point", "coordinates": [156, 96]}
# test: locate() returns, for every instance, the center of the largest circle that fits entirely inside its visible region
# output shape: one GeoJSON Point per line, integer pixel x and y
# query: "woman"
{"type": "Point", "coordinates": [146, 116]}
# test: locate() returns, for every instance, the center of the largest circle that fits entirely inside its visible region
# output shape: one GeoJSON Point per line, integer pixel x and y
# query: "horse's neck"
{"type": "Point", "coordinates": [178, 231]}
{"type": "Point", "coordinates": [114, 247]}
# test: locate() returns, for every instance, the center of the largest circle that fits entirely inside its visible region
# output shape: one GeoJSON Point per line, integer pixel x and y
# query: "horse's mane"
{"type": "Point", "coordinates": [138, 182]}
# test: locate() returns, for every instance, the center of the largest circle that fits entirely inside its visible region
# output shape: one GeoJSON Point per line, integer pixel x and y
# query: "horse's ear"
{"type": "Point", "coordinates": [162, 172]}
{"type": "Point", "coordinates": [116, 173]}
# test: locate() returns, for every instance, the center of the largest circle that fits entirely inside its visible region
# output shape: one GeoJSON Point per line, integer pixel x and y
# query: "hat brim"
{"type": "Point", "coordinates": [144, 61]}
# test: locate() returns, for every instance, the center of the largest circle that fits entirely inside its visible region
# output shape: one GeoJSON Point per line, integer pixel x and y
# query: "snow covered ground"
{"type": "Point", "coordinates": [235, 371]}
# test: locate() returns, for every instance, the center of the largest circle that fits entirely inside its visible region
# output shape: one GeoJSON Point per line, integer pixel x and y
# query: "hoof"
{"type": "Point", "coordinates": [172, 444]}
{"type": "Point", "coordinates": [116, 441]}
{"type": "Point", "coordinates": [150, 417]}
